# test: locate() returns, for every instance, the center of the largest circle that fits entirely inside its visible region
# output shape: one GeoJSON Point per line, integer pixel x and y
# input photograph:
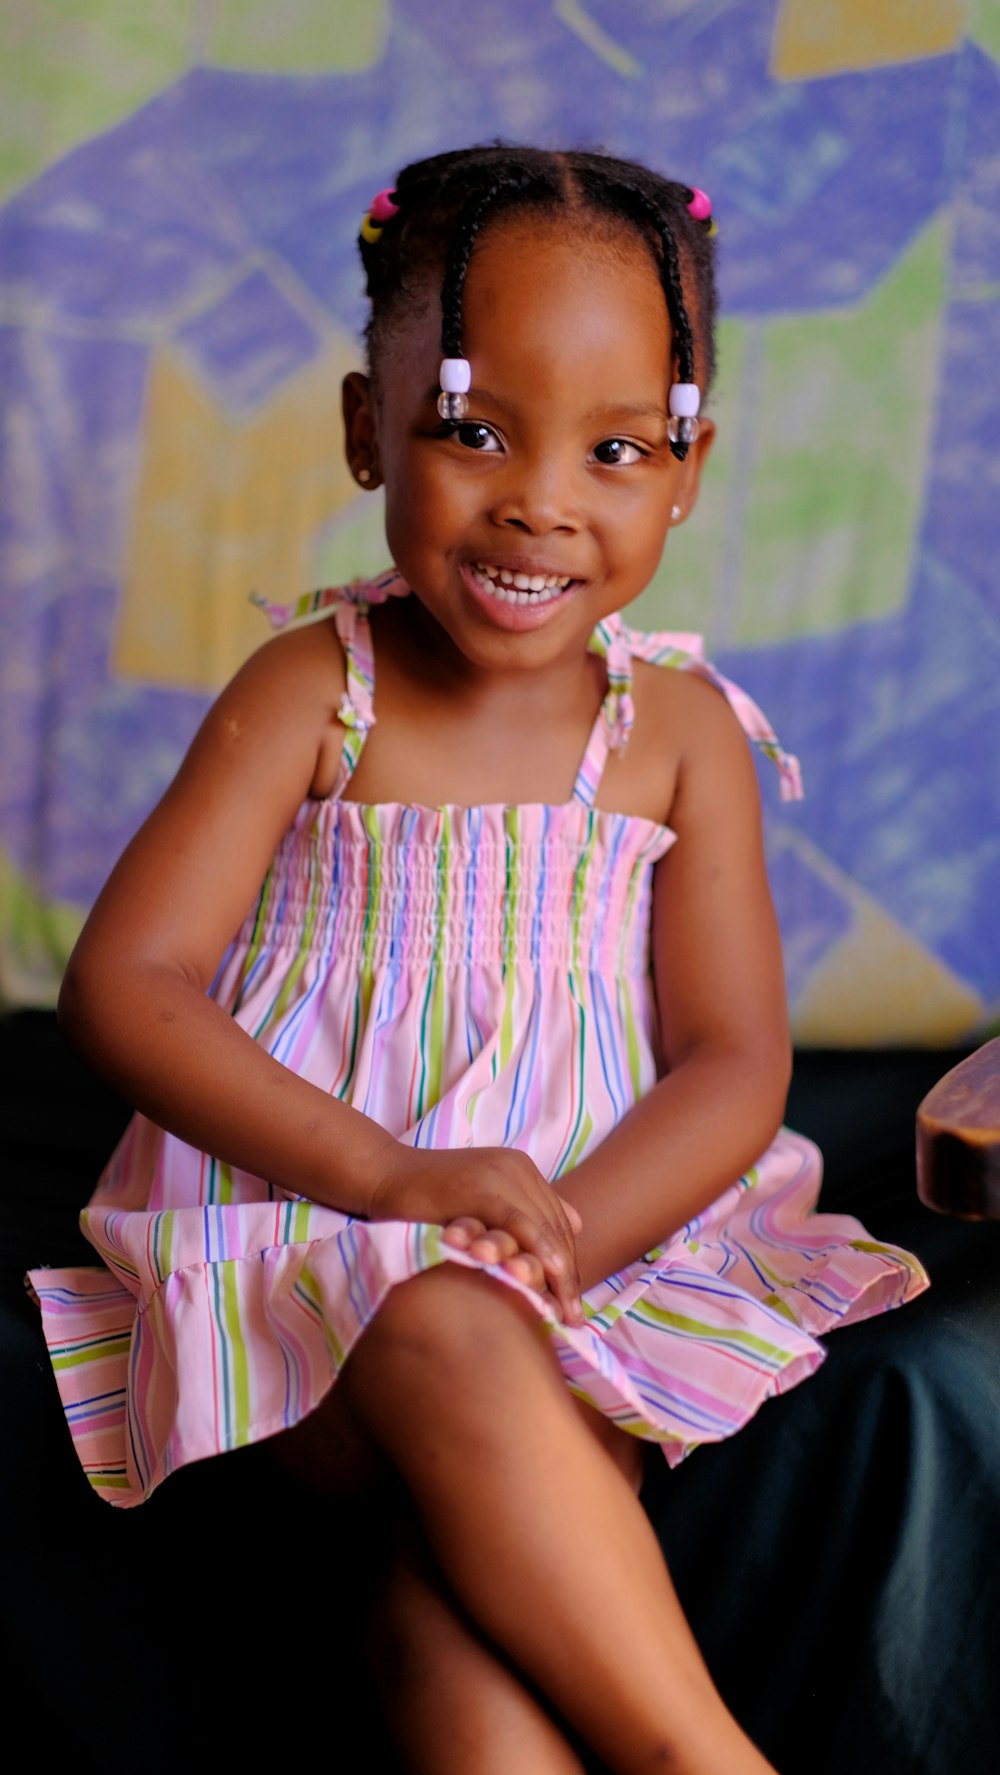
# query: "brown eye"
{"type": "Point", "coordinates": [614, 452]}
{"type": "Point", "coordinates": [476, 436]}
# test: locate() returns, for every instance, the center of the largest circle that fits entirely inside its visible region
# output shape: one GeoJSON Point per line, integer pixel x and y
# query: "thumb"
{"type": "Point", "coordinates": [571, 1215]}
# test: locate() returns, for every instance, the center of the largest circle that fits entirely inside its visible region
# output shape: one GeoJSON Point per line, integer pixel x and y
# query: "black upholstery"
{"type": "Point", "coordinates": [838, 1558]}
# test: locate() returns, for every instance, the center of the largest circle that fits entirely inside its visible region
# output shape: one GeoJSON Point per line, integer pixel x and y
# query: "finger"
{"type": "Point", "coordinates": [528, 1269]}
{"type": "Point", "coordinates": [494, 1244]}
{"type": "Point", "coordinates": [461, 1231]}
{"type": "Point", "coordinates": [558, 1261]}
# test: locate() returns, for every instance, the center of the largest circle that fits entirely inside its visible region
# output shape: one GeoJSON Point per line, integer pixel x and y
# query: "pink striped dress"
{"type": "Point", "coordinates": [466, 976]}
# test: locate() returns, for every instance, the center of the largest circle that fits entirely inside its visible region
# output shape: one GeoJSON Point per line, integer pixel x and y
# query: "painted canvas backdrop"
{"type": "Point", "coordinates": [180, 191]}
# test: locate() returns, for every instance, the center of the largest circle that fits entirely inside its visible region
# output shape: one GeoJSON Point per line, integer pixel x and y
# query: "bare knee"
{"type": "Point", "coordinates": [446, 1326]}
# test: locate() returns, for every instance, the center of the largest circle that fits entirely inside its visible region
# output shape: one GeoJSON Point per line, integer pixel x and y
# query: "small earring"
{"type": "Point", "coordinates": [364, 476]}
{"type": "Point", "coordinates": [675, 512]}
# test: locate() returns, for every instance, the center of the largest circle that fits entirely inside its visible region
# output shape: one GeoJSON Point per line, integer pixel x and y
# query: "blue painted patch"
{"type": "Point", "coordinates": [811, 914]}
{"type": "Point", "coordinates": [897, 724]}
{"type": "Point", "coordinates": [250, 341]}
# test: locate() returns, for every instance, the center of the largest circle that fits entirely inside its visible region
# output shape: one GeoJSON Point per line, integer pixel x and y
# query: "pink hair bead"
{"type": "Point", "coordinates": [383, 208]}
{"type": "Point", "coordinates": [700, 206]}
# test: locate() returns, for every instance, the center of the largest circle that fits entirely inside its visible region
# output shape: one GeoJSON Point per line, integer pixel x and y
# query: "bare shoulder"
{"type": "Point", "coordinates": [283, 700]}
{"type": "Point", "coordinates": [673, 699]}
{"type": "Point", "coordinates": [185, 881]}
{"type": "Point", "coordinates": [686, 734]}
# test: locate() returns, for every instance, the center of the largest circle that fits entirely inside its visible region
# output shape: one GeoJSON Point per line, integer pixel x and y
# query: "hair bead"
{"type": "Point", "coordinates": [384, 206]}
{"type": "Point", "coordinates": [455, 377]}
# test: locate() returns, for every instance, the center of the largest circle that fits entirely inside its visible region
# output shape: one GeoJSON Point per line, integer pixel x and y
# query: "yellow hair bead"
{"type": "Point", "coordinates": [369, 231]}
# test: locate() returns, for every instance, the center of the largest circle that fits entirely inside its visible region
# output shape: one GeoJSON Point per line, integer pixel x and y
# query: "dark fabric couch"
{"type": "Point", "coordinates": [839, 1559]}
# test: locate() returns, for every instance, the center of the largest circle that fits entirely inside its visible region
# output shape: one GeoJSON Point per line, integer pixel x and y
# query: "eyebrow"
{"type": "Point", "coordinates": [627, 410]}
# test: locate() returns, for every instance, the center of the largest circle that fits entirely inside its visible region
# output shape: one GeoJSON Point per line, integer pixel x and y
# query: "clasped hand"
{"type": "Point", "coordinates": [494, 1203]}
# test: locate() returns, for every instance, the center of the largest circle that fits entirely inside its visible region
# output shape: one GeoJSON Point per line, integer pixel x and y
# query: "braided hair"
{"type": "Point", "coordinates": [444, 203]}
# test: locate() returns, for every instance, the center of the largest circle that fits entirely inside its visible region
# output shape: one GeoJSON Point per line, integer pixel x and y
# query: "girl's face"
{"type": "Point", "coordinates": [562, 471]}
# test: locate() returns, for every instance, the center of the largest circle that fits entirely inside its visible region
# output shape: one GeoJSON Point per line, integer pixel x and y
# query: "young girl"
{"type": "Point", "coordinates": [458, 1172]}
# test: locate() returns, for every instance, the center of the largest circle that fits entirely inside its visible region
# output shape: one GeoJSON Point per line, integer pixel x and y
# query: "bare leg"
{"type": "Point", "coordinates": [537, 1532]}
{"type": "Point", "coordinates": [454, 1705]}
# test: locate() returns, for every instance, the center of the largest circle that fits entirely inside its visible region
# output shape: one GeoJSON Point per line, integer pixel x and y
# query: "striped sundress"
{"type": "Point", "coordinates": [466, 976]}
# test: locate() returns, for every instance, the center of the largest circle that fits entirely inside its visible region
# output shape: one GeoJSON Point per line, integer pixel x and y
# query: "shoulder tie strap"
{"type": "Point", "coordinates": [686, 653]}
{"type": "Point", "coordinates": [350, 605]}
{"type": "Point", "coordinates": [613, 726]}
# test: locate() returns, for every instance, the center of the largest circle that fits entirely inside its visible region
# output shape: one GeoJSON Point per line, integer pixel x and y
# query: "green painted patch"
{"type": "Point", "coordinates": [687, 584]}
{"type": "Point", "coordinates": [299, 36]}
{"type": "Point", "coordinates": [69, 72]}
{"type": "Point", "coordinates": [984, 26]}
{"type": "Point", "coordinates": [353, 546]}
{"type": "Point", "coordinates": [811, 498]}
{"type": "Point", "coordinates": [36, 937]}
{"type": "Point", "coordinates": [841, 452]}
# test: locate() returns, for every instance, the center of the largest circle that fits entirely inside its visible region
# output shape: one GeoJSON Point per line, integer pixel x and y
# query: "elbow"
{"type": "Point", "coordinates": [72, 1006]}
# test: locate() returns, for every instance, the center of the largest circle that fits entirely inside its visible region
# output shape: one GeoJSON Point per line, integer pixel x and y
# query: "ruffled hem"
{"type": "Point", "coordinates": [675, 1350]}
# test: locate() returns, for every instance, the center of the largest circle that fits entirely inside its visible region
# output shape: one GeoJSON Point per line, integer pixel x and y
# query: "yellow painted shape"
{"type": "Point", "coordinates": [816, 37]}
{"type": "Point", "coordinates": [605, 47]}
{"type": "Point", "coordinates": [876, 986]}
{"type": "Point", "coordinates": [225, 505]}
{"type": "Point", "coordinates": [36, 936]}
{"type": "Point", "coordinates": [297, 37]}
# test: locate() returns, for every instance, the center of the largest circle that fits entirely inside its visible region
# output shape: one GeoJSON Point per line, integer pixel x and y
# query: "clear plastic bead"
{"type": "Point", "coordinates": [453, 406]}
{"type": "Point", "coordinates": [682, 429]}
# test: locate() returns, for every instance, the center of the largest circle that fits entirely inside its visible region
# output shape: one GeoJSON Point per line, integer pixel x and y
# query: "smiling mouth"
{"type": "Point", "coordinates": [519, 588]}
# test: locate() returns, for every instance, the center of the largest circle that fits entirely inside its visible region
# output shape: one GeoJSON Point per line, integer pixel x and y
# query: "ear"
{"type": "Point", "coordinates": [360, 430]}
{"type": "Point", "coordinates": [689, 471]}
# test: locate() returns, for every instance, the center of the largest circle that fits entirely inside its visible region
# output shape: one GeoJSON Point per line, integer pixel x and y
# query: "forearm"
{"type": "Point", "coordinates": [674, 1152]}
{"type": "Point", "coordinates": [178, 1057]}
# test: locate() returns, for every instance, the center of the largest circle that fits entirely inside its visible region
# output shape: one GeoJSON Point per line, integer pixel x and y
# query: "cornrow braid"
{"type": "Point", "coordinates": [446, 201]}
{"type": "Point", "coordinates": [645, 211]}
{"type": "Point", "coordinates": [505, 191]}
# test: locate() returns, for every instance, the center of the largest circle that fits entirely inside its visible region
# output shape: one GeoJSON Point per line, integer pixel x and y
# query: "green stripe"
{"type": "Point", "coordinates": [98, 1351]}
{"type": "Point", "coordinates": [437, 1006]}
{"type": "Point", "coordinates": [892, 1251]}
{"type": "Point", "coordinates": [236, 1347]}
{"type": "Point", "coordinates": [263, 905]}
{"type": "Point", "coordinates": [163, 1247]}
{"type": "Point", "coordinates": [294, 973]}
{"type": "Point", "coordinates": [511, 823]}
{"type": "Point", "coordinates": [220, 1181]}
{"type": "Point", "coordinates": [645, 1310]}
{"type": "Point", "coordinates": [373, 906]}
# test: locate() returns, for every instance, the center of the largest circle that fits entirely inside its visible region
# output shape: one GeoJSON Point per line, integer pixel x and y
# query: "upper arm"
{"type": "Point", "coordinates": [717, 956]}
{"type": "Point", "coordinates": [189, 876]}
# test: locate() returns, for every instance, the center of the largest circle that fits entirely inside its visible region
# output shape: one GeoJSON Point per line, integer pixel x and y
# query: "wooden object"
{"type": "Point", "coordinates": [958, 1138]}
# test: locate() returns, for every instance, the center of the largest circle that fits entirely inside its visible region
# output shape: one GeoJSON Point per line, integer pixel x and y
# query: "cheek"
{"type": "Point", "coordinates": [428, 500]}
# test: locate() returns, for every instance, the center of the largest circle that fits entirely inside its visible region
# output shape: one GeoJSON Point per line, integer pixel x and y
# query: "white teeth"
{"type": "Point", "coordinates": [521, 588]}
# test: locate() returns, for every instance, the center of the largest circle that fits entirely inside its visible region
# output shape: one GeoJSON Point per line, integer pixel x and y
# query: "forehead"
{"type": "Point", "coordinates": [546, 293]}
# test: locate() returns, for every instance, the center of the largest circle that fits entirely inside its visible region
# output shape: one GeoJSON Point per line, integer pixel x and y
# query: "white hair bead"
{"type": "Point", "coordinates": [456, 375]}
{"type": "Point", "coordinates": [685, 399]}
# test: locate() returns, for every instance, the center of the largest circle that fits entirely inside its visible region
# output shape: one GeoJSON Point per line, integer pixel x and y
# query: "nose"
{"type": "Point", "coordinates": [538, 497]}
